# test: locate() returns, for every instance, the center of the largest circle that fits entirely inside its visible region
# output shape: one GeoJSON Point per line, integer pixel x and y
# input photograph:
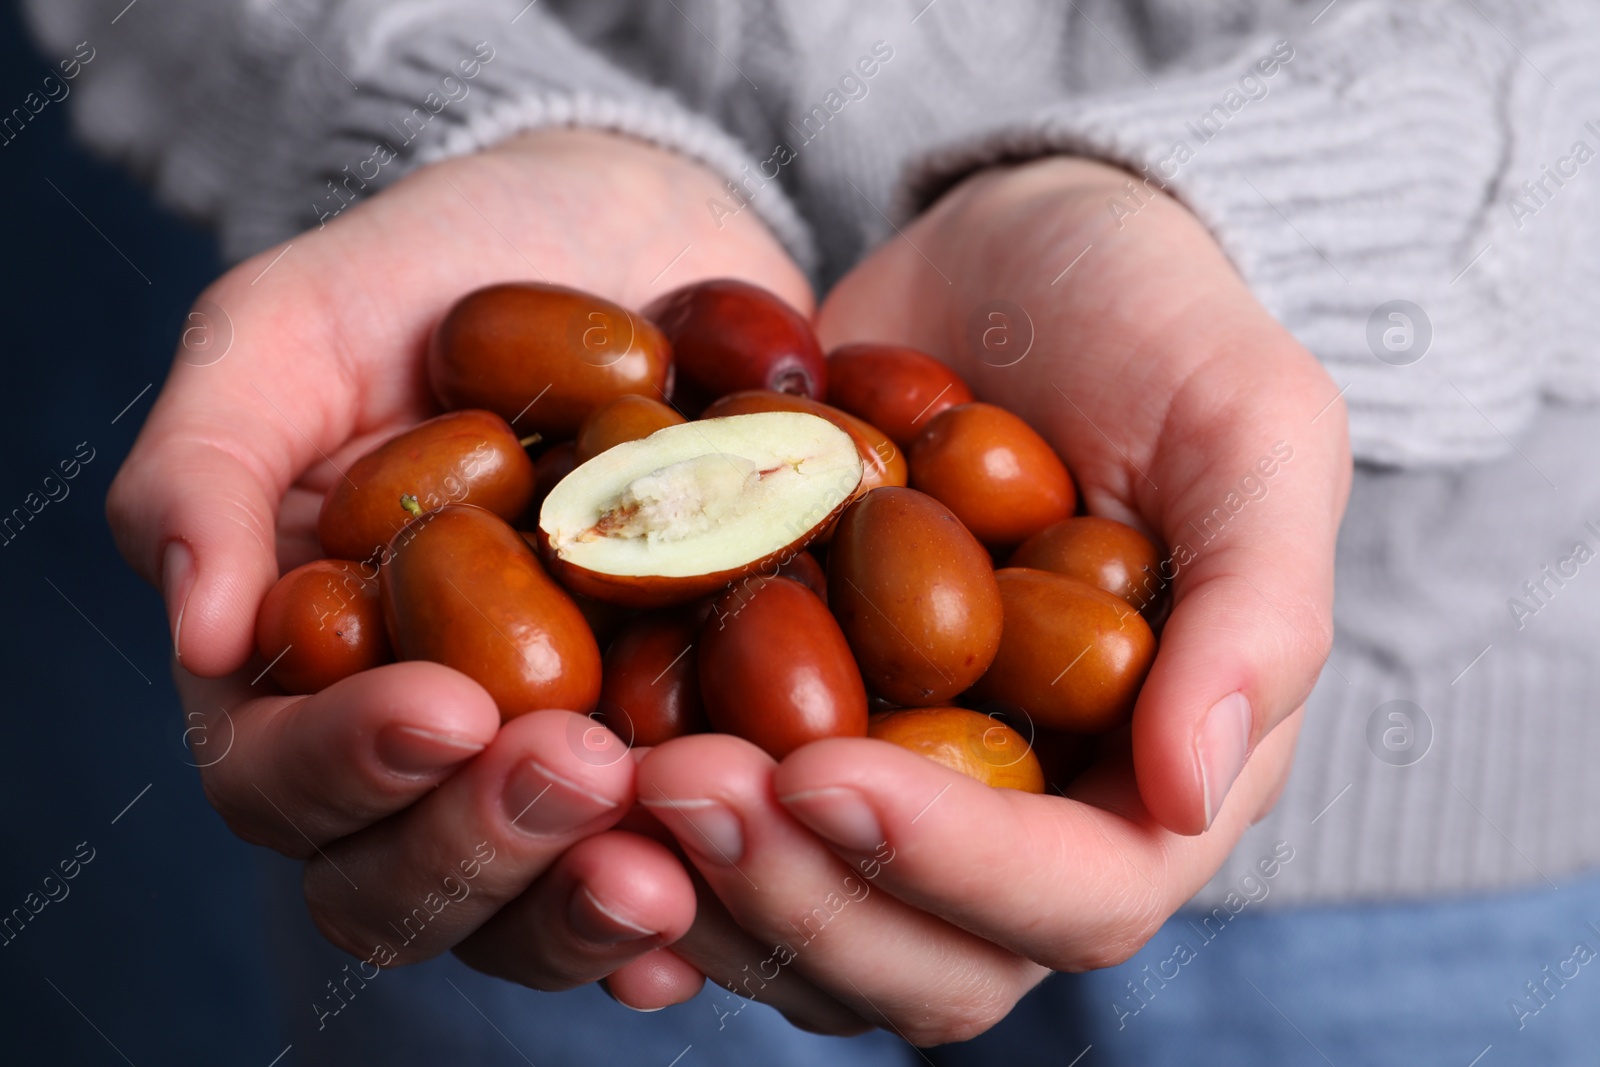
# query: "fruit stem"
{"type": "Point", "coordinates": [531, 439]}
{"type": "Point", "coordinates": [409, 502]}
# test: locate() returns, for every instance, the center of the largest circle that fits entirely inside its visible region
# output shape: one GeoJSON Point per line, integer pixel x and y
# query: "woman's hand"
{"type": "Point", "coordinates": [919, 899]}
{"type": "Point", "coordinates": [395, 783]}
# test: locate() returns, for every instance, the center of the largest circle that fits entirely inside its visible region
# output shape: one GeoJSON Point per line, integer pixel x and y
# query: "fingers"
{"type": "Point", "coordinates": [198, 523]}
{"type": "Point", "coordinates": [658, 979]}
{"type": "Point", "coordinates": [546, 781]}
{"type": "Point", "coordinates": [194, 506]}
{"type": "Point", "coordinates": [295, 773]}
{"type": "Point", "coordinates": [822, 917]}
{"type": "Point", "coordinates": [722, 950]}
{"type": "Point", "coordinates": [1062, 881]}
{"type": "Point", "coordinates": [1250, 537]}
{"type": "Point", "coordinates": [1290, 729]}
{"type": "Point", "coordinates": [608, 901]}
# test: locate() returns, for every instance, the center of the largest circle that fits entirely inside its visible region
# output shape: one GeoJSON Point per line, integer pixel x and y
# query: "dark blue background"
{"type": "Point", "coordinates": [159, 943]}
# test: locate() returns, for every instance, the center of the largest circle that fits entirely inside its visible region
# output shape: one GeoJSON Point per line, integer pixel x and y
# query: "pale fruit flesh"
{"type": "Point", "coordinates": [701, 498]}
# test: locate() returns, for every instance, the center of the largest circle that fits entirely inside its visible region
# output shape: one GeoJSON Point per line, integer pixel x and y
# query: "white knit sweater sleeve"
{"type": "Point", "coordinates": [1441, 154]}
{"type": "Point", "coordinates": [263, 117]}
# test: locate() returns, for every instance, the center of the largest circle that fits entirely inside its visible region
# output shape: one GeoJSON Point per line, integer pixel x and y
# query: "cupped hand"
{"type": "Point", "coordinates": [394, 784]}
{"type": "Point", "coordinates": [921, 900]}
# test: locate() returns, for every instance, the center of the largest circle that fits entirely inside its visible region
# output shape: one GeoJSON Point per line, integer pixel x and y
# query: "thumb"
{"type": "Point", "coordinates": [1251, 624]}
{"type": "Point", "coordinates": [194, 507]}
{"type": "Point", "coordinates": [196, 518]}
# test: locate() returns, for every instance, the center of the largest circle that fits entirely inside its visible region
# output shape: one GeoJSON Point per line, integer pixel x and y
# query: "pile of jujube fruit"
{"type": "Point", "coordinates": [690, 519]}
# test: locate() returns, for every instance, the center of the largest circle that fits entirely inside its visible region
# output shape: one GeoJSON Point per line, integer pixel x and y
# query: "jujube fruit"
{"type": "Point", "coordinates": [1071, 656]}
{"type": "Point", "coordinates": [1001, 478]}
{"type": "Point", "coordinates": [462, 588]}
{"type": "Point", "coordinates": [968, 742]}
{"type": "Point", "coordinates": [544, 356]}
{"type": "Point", "coordinates": [553, 464]}
{"type": "Point", "coordinates": [319, 623]}
{"type": "Point", "coordinates": [775, 669]}
{"type": "Point", "coordinates": [728, 335]}
{"type": "Point", "coordinates": [881, 459]}
{"type": "Point", "coordinates": [1103, 552]}
{"type": "Point", "coordinates": [683, 512]}
{"type": "Point", "coordinates": [464, 457]}
{"type": "Point", "coordinates": [627, 418]}
{"type": "Point", "coordinates": [915, 595]}
{"type": "Point", "coordinates": [804, 568]}
{"type": "Point", "coordinates": [651, 687]}
{"type": "Point", "coordinates": [605, 620]}
{"type": "Point", "coordinates": [895, 388]}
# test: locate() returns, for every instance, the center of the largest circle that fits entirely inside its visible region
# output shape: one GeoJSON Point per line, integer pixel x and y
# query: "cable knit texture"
{"type": "Point", "coordinates": [1346, 155]}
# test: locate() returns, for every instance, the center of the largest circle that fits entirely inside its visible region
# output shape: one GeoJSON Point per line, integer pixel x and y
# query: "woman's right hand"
{"type": "Point", "coordinates": [424, 825]}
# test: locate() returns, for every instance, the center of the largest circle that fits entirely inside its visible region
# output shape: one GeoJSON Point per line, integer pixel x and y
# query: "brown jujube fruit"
{"type": "Point", "coordinates": [319, 623]}
{"type": "Point", "coordinates": [1071, 656]}
{"type": "Point", "coordinates": [1103, 552]}
{"type": "Point", "coordinates": [627, 418]}
{"type": "Point", "coordinates": [682, 513]}
{"type": "Point", "coordinates": [650, 591]}
{"type": "Point", "coordinates": [651, 687]}
{"type": "Point", "coordinates": [804, 568]}
{"type": "Point", "coordinates": [882, 462]}
{"type": "Point", "coordinates": [915, 595]}
{"type": "Point", "coordinates": [1001, 478]}
{"type": "Point", "coordinates": [968, 742]}
{"type": "Point", "coordinates": [727, 335]}
{"type": "Point", "coordinates": [464, 457]}
{"type": "Point", "coordinates": [544, 356]}
{"type": "Point", "coordinates": [553, 464]}
{"type": "Point", "coordinates": [463, 588]}
{"type": "Point", "coordinates": [605, 620]}
{"type": "Point", "coordinates": [776, 671]}
{"type": "Point", "coordinates": [895, 388]}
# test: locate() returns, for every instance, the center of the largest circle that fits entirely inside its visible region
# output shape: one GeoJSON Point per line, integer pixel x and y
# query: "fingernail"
{"type": "Point", "coordinates": [177, 577]}
{"type": "Point", "coordinates": [709, 828]}
{"type": "Point", "coordinates": [605, 984]}
{"type": "Point", "coordinates": [596, 923]}
{"type": "Point", "coordinates": [1221, 748]}
{"type": "Point", "coordinates": [840, 815]}
{"type": "Point", "coordinates": [408, 750]}
{"type": "Point", "coordinates": [540, 802]}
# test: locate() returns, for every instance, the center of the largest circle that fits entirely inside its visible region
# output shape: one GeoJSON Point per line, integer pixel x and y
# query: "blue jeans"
{"type": "Point", "coordinates": [1488, 980]}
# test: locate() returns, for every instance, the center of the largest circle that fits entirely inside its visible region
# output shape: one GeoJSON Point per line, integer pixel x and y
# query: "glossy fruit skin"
{"type": "Point", "coordinates": [605, 620]}
{"type": "Point", "coordinates": [500, 347]}
{"type": "Point", "coordinates": [804, 568]}
{"type": "Point", "coordinates": [651, 690]}
{"type": "Point", "coordinates": [728, 336]}
{"type": "Point", "coordinates": [1072, 656]}
{"type": "Point", "coordinates": [462, 588]}
{"type": "Point", "coordinates": [627, 418]}
{"type": "Point", "coordinates": [1001, 478]}
{"type": "Point", "coordinates": [968, 742]}
{"type": "Point", "coordinates": [321, 622]}
{"type": "Point", "coordinates": [882, 462]}
{"type": "Point", "coordinates": [775, 669]}
{"type": "Point", "coordinates": [463, 457]}
{"type": "Point", "coordinates": [553, 464]}
{"type": "Point", "coordinates": [895, 388]}
{"type": "Point", "coordinates": [915, 595]}
{"type": "Point", "coordinates": [1103, 552]}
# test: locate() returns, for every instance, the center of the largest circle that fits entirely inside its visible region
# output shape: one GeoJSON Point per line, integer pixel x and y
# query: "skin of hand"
{"type": "Point", "coordinates": [922, 900]}
{"type": "Point", "coordinates": [398, 786]}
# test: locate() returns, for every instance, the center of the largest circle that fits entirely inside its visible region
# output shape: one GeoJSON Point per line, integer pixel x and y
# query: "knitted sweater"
{"type": "Point", "coordinates": [1406, 185]}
